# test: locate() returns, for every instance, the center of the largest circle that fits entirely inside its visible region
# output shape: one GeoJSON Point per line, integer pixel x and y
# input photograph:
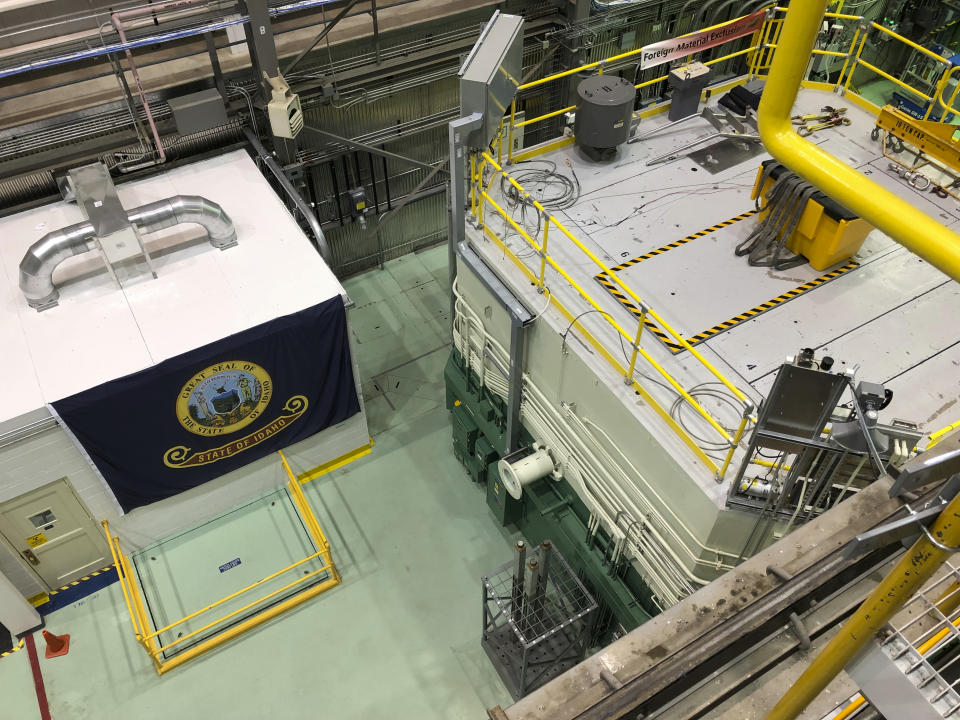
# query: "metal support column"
{"type": "Point", "coordinates": [263, 55]}
{"type": "Point", "coordinates": [376, 28]}
{"type": "Point", "coordinates": [459, 129]}
{"type": "Point", "coordinates": [215, 65]}
{"type": "Point", "coordinates": [520, 318]}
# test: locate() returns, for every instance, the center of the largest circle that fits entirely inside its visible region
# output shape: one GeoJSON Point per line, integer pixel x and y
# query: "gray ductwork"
{"type": "Point", "coordinates": [186, 209]}
{"type": "Point", "coordinates": [37, 266]}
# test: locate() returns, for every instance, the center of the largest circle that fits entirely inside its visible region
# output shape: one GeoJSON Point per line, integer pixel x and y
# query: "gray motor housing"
{"type": "Point", "coordinates": [603, 116]}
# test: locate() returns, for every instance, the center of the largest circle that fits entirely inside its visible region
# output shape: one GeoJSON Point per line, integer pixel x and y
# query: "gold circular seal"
{"type": "Point", "coordinates": [224, 398]}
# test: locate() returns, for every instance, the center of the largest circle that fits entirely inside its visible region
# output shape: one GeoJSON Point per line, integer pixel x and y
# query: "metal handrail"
{"type": "Point", "coordinates": [322, 245]}
{"type": "Point", "coordinates": [133, 597]}
{"type": "Point", "coordinates": [906, 224]}
{"type": "Point", "coordinates": [481, 198]}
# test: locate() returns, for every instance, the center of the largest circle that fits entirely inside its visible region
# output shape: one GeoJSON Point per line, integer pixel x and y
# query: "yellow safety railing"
{"type": "Point", "coordinates": [481, 199]}
{"type": "Point", "coordinates": [599, 66]}
{"type": "Point", "coordinates": [759, 57]}
{"type": "Point", "coordinates": [149, 638]}
{"type": "Point", "coordinates": [761, 50]}
{"type": "Point", "coordinates": [937, 436]}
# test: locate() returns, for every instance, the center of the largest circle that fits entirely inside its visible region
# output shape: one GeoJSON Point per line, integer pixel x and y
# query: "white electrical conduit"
{"type": "Point", "coordinates": [668, 576]}
{"type": "Point", "coordinates": [677, 521]}
{"type": "Point", "coordinates": [662, 578]}
{"type": "Point", "coordinates": [608, 488]}
{"type": "Point", "coordinates": [642, 505]}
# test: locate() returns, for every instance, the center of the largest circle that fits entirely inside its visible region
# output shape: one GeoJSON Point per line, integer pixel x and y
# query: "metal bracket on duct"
{"type": "Point", "coordinates": [113, 231]}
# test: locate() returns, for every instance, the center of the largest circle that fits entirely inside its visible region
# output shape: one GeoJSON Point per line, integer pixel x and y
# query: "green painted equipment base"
{"type": "Point", "coordinates": [548, 509]}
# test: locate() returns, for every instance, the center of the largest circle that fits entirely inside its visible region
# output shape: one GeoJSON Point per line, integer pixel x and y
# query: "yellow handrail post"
{"type": "Point", "coordinates": [513, 119]}
{"type": "Point", "coordinates": [628, 376]}
{"type": "Point", "coordinates": [853, 43]}
{"type": "Point", "coordinates": [856, 59]}
{"type": "Point", "coordinates": [913, 570]}
{"type": "Point", "coordinates": [738, 436]}
{"type": "Point", "coordinates": [541, 284]}
{"type": "Point", "coordinates": [761, 46]}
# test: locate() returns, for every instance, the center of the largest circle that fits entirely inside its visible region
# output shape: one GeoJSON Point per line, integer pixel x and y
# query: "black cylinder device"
{"type": "Point", "coordinates": [603, 115]}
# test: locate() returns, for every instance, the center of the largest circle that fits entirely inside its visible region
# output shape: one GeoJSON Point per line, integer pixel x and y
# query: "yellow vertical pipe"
{"type": "Point", "coordinates": [736, 441]}
{"type": "Point", "coordinates": [761, 47]}
{"type": "Point", "coordinates": [916, 567]}
{"type": "Point", "coordinates": [941, 84]}
{"type": "Point", "coordinates": [912, 228]}
{"type": "Point", "coordinates": [500, 144]}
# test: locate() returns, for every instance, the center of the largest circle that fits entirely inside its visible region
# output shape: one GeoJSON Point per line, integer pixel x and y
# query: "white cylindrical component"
{"type": "Point", "coordinates": [522, 468]}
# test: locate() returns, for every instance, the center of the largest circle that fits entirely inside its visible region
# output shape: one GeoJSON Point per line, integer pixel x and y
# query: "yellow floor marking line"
{"type": "Point", "coordinates": [336, 463]}
{"type": "Point", "coordinates": [611, 287]}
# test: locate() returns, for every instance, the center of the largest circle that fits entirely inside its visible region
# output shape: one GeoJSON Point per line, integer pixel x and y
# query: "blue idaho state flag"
{"type": "Point", "coordinates": [199, 415]}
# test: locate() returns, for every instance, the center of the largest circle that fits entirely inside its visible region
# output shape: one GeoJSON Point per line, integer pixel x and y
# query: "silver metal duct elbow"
{"type": "Point", "coordinates": [37, 266]}
{"type": "Point", "coordinates": [186, 209]}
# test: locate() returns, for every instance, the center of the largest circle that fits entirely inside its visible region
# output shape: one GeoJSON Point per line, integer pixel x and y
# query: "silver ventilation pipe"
{"type": "Point", "coordinates": [37, 266]}
{"type": "Point", "coordinates": [186, 209]}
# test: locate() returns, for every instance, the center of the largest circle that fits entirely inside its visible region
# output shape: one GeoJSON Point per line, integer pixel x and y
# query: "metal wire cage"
{"type": "Point", "coordinates": [537, 618]}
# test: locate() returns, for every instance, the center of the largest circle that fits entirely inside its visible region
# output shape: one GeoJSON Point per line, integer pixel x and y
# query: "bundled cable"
{"type": "Point", "coordinates": [553, 190]}
{"type": "Point", "coordinates": [785, 202]}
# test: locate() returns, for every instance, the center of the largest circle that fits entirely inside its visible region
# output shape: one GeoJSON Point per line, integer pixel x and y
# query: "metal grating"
{"type": "Point", "coordinates": [920, 650]}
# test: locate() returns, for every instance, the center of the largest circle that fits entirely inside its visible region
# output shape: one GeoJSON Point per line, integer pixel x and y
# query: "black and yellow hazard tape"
{"type": "Point", "coordinates": [678, 243]}
{"type": "Point", "coordinates": [76, 582]}
{"type": "Point", "coordinates": [770, 304]}
{"type": "Point", "coordinates": [611, 287]}
{"type": "Point", "coordinates": [13, 650]}
{"type": "Point", "coordinates": [76, 590]}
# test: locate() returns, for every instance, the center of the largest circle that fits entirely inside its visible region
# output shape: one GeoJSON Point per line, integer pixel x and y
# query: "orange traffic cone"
{"type": "Point", "coordinates": [57, 645]}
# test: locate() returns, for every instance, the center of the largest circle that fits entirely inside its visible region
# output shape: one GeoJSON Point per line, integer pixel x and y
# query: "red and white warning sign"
{"type": "Point", "coordinates": [675, 48]}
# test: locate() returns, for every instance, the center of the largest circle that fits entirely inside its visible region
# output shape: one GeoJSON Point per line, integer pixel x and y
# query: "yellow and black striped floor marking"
{"type": "Point", "coordinates": [616, 291]}
{"type": "Point", "coordinates": [80, 580]}
{"type": "Point", "coordinates": [15, 648]}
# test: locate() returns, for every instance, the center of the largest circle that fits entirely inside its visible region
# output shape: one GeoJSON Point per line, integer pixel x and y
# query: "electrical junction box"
{"type": "Point", "coordinates": [688, 82]}
{"type": "Point", "coordinates": [490, 75]}
{"type": "Point", "coordinates": [198, 111]}
{"type": "Point", "coordinates": [358, 201]}
{"type": "Point", "coordinates": [284, 110]}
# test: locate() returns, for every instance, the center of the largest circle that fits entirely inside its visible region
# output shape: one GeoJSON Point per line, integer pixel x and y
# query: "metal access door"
{"type": "Point", "coordinates": [52, 530]}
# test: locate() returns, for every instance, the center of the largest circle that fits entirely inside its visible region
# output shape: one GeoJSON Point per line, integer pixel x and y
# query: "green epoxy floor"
{"type": "Point", "coordinates": [411, 536]}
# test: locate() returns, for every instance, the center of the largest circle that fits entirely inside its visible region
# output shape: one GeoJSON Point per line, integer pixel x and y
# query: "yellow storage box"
{"type": "Point", "coordinates": [827, 233]}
